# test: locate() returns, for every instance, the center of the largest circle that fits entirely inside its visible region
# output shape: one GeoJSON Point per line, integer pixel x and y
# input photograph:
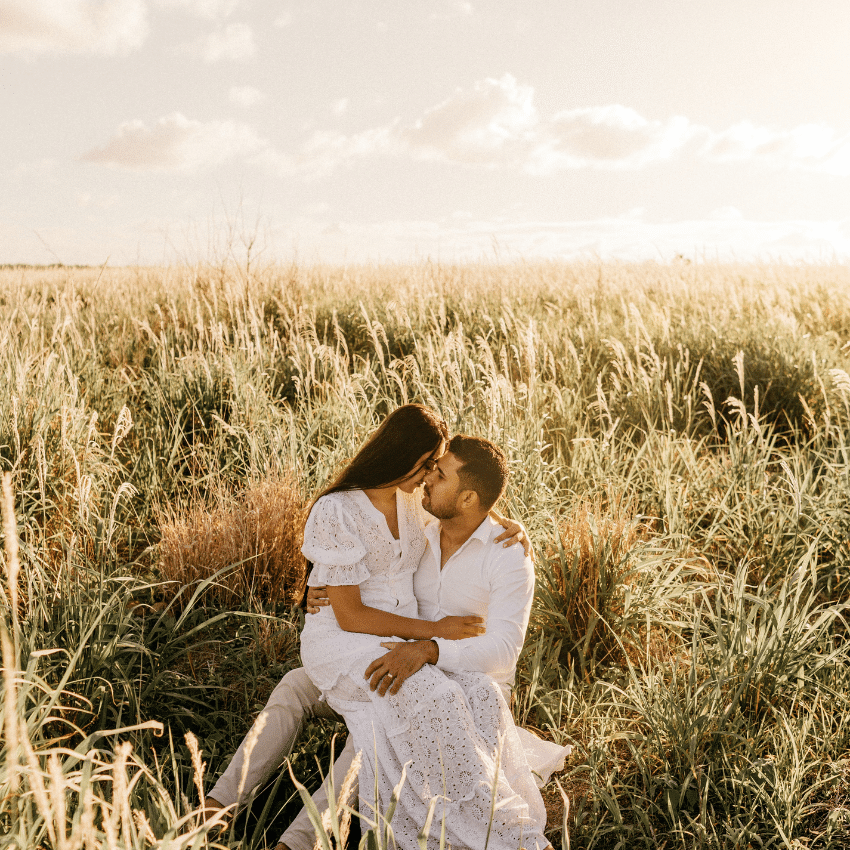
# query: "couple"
{"type": "Point", "coordinates": [431, 702]}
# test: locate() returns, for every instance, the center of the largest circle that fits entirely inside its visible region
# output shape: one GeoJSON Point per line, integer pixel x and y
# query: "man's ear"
{"type": "Point", "coordinates": [468, 500]}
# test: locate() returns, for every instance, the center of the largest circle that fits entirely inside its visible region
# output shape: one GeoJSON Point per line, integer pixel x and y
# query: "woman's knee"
{"type": "Point", "coordinates": [429, 683]}
{"type": "Point", "coordinates": [479, 687]}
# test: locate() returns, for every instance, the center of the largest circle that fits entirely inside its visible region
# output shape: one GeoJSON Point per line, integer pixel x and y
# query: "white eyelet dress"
{"type": "Point", "coordinates": [443, 728]}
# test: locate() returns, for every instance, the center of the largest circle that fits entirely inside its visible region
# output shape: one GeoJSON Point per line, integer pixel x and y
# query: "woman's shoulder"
{"type": "Point", "coordinates": [334, 509]}
{"type": "Point", "coordinates": [345, 500]}
{"type": "Point", "coordinates": [336, 496]}
{"type": "Point", "coordinates": [331, 534]}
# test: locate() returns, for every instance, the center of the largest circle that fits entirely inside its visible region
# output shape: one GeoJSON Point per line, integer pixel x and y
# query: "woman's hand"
{"type": "Point", "coordinates": [513, 533]}
{"type": "Point", "coordinates": [317, 597]}
{"type": "Point", "coordinates": [458, 628]}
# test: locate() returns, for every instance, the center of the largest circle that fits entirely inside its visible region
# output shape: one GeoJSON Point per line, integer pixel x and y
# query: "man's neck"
{"type": "Point", "coordinates": [456, 531]}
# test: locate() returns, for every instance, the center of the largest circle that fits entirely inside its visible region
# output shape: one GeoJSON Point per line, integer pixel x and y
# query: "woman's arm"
{"type": "Point", "coordinates": [513, 533]}
{"type": "Point", "coordinates": [353, 616]}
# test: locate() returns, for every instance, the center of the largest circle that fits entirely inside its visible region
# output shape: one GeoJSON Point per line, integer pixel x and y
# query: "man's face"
{"type": "Point", "coordinates": [441, 490]}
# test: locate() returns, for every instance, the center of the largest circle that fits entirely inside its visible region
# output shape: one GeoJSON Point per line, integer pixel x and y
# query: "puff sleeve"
{"type": "Point", "coordinates": [332, 543]}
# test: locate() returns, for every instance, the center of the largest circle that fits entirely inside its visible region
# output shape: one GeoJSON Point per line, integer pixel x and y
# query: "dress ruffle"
{"type": "Point", "coordinates": [326, 574]}
{"type": "Point", "coordinates": [331, 538]}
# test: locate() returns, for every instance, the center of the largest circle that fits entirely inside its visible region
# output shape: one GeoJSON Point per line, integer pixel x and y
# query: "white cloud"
{"type": "Point", "coordinates": [211, 10]}
{"type": "Point", "coordinates": [492, 124]}
{"type": "Point", "coordinates": [318, 235]}
{"type": "Point", "coordinates": [284, 19]}
{"type": "Point", "coordinates": [607, 137]}
{"type": "Point", "coordinates": [176, 143]}
{"type": "Point", "coordinates": [107, 27]}
{"type": "Point", "coordinates": [495, 124]}
{"type": "Point", "coordinates": [340, 107]}
{"type": "Point", "coordinates": [234, 42]}
{"type": "Point", "coordinates": [325, 152]}
{"type": "Point", "coordinates": [625, 237]}
{"type": "Point", "coordinates": [726, 214]}
{"type": "Point", "coordinates": [246, 96]}
{"type": "Point", "coordinates": [813, 147]}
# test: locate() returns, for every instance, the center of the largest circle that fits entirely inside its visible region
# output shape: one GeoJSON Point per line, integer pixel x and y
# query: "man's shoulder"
{"type": "Point", "coordinates": [500, 557]}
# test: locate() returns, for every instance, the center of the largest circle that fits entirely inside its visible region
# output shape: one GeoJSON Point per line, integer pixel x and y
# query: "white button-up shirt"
{"type": "Point", "coordinates": [484, 579]}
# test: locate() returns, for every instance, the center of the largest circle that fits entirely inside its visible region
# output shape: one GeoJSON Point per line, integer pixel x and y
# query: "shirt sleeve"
{"type": "Point", "coordinates": [511, 593]}
{"type": "Point", "coordinates": [332, 543]}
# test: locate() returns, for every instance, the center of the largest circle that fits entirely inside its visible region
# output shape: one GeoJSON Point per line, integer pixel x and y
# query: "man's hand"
{"type": "Point", "coordinates": [403, 660]}
{"type": "Point", "coordinates": [317, 597]}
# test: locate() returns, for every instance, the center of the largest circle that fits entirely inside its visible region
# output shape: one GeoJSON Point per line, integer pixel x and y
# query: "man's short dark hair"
{"type": "Point", "coordinates": [484, 470]}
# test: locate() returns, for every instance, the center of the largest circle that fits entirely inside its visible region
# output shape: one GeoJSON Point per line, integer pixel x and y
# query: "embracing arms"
{"type": "Point", "coordinates": [353, 616]}
{"type": "Point", "coordinates": [513, 533]}
{"type": "Point", "coordinates": [334, 544]}
{"type": "Point", "coordinates": [507, 585]}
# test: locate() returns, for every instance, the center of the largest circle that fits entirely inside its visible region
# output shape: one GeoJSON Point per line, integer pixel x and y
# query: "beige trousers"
{"type": "Point", "coordinates": [294, 700]}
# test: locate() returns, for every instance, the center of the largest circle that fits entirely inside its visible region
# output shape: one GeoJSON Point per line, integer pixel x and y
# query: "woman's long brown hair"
{"type": "Point", "coordinates": [392, 452]}
{"type": "Point", "coordinates": [389, 455]}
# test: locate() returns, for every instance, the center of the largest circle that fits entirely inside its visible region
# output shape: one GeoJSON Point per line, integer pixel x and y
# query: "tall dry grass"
{"type": "Point", "coordinates": [250, 546]}
{"type": "Point", "coordinates": [586, 584]}
{"type": "Point", "coordinates": [697, 658]}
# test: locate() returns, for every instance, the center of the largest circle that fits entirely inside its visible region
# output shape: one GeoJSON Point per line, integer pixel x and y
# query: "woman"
{"type": "Point", "coordinates": [365, 538]}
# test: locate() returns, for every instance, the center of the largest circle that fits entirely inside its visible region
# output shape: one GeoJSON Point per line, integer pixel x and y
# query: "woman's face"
{"type": "Point", "coordinates": [422, 467]}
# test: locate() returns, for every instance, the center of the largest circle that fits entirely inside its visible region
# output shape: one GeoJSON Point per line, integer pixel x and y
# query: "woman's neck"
{"type": "Point", "coordinates": [383, 499]}
{"type": "Point", "coordinates": [381, 496]}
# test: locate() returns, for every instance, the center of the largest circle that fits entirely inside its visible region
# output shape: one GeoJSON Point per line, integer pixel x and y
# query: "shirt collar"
{"type": "Point", "coordinates": [483, 533]}
{"type": "Point", "coordinates": [432, 532]}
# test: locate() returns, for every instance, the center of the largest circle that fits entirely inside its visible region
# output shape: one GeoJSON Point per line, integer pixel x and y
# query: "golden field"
{"type": "Point", "coordinates": [678, 436]}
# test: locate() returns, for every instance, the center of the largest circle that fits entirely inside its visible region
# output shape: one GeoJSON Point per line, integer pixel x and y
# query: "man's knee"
{"type": "Point", "coordinates": [296, 689]}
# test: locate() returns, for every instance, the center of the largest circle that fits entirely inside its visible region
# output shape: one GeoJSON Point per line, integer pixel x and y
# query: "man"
{"type": "Point", "coordinates": [464, 571]}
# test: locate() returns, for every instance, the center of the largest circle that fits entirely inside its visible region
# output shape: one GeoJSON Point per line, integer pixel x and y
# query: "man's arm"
{"type": "Point", "coordinates": [508, 609]}
{"type": "Point", "coordinates": [497, 651]}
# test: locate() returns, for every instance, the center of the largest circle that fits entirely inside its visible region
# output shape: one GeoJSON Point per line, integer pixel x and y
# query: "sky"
{"type": "Point", "coordinates": [161, 131]}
